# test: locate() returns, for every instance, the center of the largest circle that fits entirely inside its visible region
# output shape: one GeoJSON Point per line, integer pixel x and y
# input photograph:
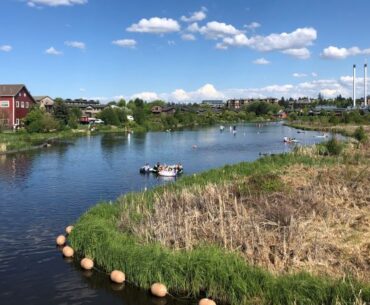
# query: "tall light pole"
{"type": "Point", "coordinates": [365, 85]}
{"type": "Point", "coordinates": [354, 86]}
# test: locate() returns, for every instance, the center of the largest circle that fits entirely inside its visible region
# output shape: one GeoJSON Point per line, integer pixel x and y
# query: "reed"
{"type": "Point", "coordinates": [244, 234]}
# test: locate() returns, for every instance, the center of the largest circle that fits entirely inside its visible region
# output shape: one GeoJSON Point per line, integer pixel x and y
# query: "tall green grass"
{"type": "Point", "coordinates": [207, 270]}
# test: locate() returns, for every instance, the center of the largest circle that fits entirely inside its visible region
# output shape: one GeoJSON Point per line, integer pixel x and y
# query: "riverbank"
{"type": "Point", "coordinates": [343, 129]}
{"type": "Point", "coordinates": [245, 234]}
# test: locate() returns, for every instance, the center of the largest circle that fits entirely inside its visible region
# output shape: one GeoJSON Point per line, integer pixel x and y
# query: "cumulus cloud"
{"type": "Point", "coordinates": [76, 44]}
{"type": "Point", "coordinates": [195, 16]}
{"type": "Point", "coordinates": [53, 51]}
{"type": "Point", "coordinates": [299, 75]}
{"type": "Point", "coordinates": [302, 53]}
{"type": "Point", "coordinates": [215, 30]}
{"type": "Point", "coordinates": [333, 52]}
{"type": "Point", "coordinates": [155, 25]}
{"type": "Point", "coordinates": [252, 26]}
{"type": "Point", "coordinates": [125, 43]}
{"type": "Point", "coordinates": [261, 61]}
{"type": "Point", "coordinates": [6, 48]}
{"type": "Point", "coordinates": [293, 43]}
{"type": "Point", "coordinates": [35, 3]}
{"type": "Point", "coordinates": [146, 96]}
{"type": "Point", "coordinates": [188, 37]}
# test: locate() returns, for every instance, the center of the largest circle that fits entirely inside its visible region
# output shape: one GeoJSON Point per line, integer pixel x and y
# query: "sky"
{"type": "Point", "coordinates": [184, 51]}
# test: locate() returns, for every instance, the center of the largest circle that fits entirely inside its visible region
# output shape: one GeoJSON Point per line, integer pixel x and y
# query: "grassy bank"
{"type": "Point", "coordinates": [287, 229]}
{"type": "Point", "coordinates": [11, 142]}
{"type": "Point", "coordinates": [343, 129]}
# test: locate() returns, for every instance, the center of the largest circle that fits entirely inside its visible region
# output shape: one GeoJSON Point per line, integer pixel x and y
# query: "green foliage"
{"type": "Point", "coordinates": [110, 116]}
{"type": "Point", "coordinates": [333, 147]}
{"type": "Point", "coordinates": [40, 121]}
{"type": "Point", "coordinates": [206, 270]}
{"type": "Point", "coordinates": [263, 108]}
{"type": "Point", "coordinates": [61, 111]}
{"type": "Point", "coordinates": [360, 134]}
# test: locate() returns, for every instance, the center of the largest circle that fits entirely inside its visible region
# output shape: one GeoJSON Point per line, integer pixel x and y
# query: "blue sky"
{"type": "Point", "coordinates": [184, 50]}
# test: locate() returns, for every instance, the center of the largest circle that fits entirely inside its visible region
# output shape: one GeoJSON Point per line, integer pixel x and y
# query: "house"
{"type": "Point", "coordinates": [15, 103]}
{"type": "Point", "coordinates": [237, 103]}
{"type": "Point", "coordinates": [214, 103]}
{"type": "Point", "coordinates": [169, 110]}
{"type": "Point", "coordinates": [89, 108]}
{"type": "Point", "coordinates": [156, 110]}
{"type": "Point", "coordinates": [45, 102]}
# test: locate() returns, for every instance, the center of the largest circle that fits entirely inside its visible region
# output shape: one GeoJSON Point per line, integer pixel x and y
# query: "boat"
{"type": "Point", "coordinates": [145, 169]}
{"type": "Point", "coordinates": [322, 136]}
{"type": "Point", "coordinates": [162, 170]}
{"type": "Point", "coordinates": [290, 140]}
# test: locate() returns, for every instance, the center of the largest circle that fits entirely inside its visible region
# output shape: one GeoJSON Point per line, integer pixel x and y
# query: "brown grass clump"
{"type": "Point", "coordinates": [302, 219]}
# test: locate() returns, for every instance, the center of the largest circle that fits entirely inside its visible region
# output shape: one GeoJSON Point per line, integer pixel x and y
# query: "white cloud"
{"type": "Point", "coordinates": [75, 44]}
{"type": "Point", "coordinates": [261, 61]}
{"type": "Point", "coordinates": [125, 43]}
{"type": "Point", "coordinates": [299, 75]}
{"type": "Point", "coordinates": [188, 37]}
{"type": "Point", "coordinates": [293, 43]}
{"type": "Point", "coordinates": [146, 96]}
{"type": "Point", "coordinates": [314, 74]}
{"type": "Point", "coordinates": [333, 52]}
{"type": "Point", "coordinates": [180, 95]}
{"type": "Point", "coordinates": [215, 30]}
{"type": "Point", "coordinates": [82, 90]}
{"type": "Point", "coordinates": [35, 3]}
{"type": "Point", "coordinates": [252, 26]}
{"type": "Point", "coordinates": [194, 27]}
{"type": "Point", "coordinates": [302, 53]}
{"type": "Point", "coordinates": [196, 16]}
{"type": "Point", "coordinates": [155, 25]}
{"type": "Point", "coordinates": [53, 51]}
{"type": "Point", "coordinates": [6, 48]}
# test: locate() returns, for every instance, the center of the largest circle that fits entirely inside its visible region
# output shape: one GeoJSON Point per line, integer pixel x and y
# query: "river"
{"type": "Point", "coordinates": [41, 192]}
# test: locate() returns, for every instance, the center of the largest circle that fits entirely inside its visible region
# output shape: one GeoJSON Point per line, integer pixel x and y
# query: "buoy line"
{"type": "Point", "coordinates": [117, 276]}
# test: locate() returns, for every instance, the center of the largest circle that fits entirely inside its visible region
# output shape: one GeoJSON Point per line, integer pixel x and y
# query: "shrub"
{"type": "Point", "coordinates": [40, 121]}
{"type": "Point", "coordinates": [360, 134]}
{"type": "Point", "coordinates": [334, 147]}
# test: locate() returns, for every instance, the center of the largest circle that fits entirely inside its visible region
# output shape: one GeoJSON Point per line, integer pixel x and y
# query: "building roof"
{"type": "Point", "coordinates": [10, 90]}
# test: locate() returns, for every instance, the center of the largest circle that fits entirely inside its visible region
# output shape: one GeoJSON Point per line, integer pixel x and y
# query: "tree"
{"type": "Point", "coordinates": [109, 116]}
{"type": "Point", "coordinates": [121, 103]}
{"type": "Point", "coordinates": [39, 121]}
{"type": "Point", "coordinates": [61, 111]}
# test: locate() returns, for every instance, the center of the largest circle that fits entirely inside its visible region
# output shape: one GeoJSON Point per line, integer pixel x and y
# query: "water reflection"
{"type": "Point", "coordinates": [43, 191]}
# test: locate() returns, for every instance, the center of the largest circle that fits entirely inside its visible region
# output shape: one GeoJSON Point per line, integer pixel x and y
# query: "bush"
{"type": "Point", "coordinates": [333, 147]}
{"type": "Point", "coordinates": [360, 134]}
{"type": "Point", "coordinates": [40, 121]}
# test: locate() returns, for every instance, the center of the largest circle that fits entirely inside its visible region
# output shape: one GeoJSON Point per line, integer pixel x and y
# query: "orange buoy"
{"type": "Point", "coordinates": [117, 276]}
{"type": "Point", "coordinates": [87, 263]}
{"type": "Point", "coordinates": [69, 229]}
{"type": "Point", "coordinates": [159, 290]}
{"type": "Point", "coordinates": [61, 240]}
{"type": "Point", "coordinates": [206, 301]}
{"type": "Point", "coordinates": [68, 251]}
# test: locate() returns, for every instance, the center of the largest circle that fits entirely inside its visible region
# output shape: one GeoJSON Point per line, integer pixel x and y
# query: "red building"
{"type": "Point", "coordinates": [15, 102]}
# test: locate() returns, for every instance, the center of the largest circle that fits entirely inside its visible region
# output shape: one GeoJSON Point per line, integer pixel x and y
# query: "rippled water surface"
{"type": "Point", "coordinates": [44, 191]}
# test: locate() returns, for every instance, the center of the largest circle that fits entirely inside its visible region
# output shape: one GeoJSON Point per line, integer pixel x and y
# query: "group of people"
{"type": "Point", "coordinates": [161, 167]}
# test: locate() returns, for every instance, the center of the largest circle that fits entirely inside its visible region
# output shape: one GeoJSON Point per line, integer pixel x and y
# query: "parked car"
{"type": "Point", "coordinates": [98, 121]}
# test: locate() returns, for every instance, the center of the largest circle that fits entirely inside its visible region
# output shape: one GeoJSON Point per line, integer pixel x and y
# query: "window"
{"type": "Point", "coordinates": [4, 104]}
{"type": "Point", "coordinates": [27, 104]}
{"type": "Point", "coordinates": [22, 104]}
{"type": "Point", "coordinates": [17, 104]}
{"type": "Point", "coordinates": [24, 94]}
{"type": "Point", "coordinates": [17, 122]}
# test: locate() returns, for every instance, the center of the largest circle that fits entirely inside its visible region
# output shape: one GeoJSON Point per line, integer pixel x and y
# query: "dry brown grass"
{"type": "Point", "coordinates": [304, 218]}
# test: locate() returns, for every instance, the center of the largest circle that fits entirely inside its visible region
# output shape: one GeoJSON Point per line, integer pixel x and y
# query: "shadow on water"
{"type": "Point", "coordinates": [129, 294]}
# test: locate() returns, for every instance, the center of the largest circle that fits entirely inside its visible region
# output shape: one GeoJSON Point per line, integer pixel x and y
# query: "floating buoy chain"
{"type": "Point", "coordinates": [117, 276]}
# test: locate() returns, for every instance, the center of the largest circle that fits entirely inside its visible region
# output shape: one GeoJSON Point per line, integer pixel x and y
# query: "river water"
{"type": "Point", "coordinates": [41, 192]}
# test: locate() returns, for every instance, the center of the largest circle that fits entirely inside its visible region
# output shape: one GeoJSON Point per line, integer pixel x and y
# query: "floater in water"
{"type": "Point", "coordinates": [162, 170]}
{"type": "Point", "coordinates": [290, 140]}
